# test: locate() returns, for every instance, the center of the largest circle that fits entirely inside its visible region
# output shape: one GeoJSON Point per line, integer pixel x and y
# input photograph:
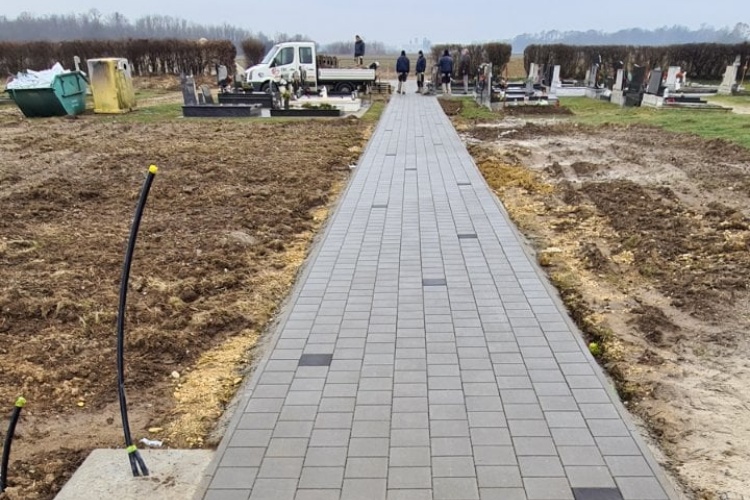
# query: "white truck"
{"type": "Point", "coordinates": [289, 60]}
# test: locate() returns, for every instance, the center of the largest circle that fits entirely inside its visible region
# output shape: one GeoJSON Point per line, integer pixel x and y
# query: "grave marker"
{"type": "Point", "coordinates": [672, 73]}
{"type": "Point", "coordinates": [619, 79]}
{"type": "Point", "coordinates": [207, 97]}
{"type": "Point", "coordinates": [654, 82]}
{"type": "Point", "coordinates": [730, 79]}
{"type": "Point", "coordinates": [188, 90]}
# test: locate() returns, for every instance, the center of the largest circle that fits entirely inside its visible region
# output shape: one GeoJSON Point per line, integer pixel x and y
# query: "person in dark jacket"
{"type": "Point", "coordinates": [421, 68]}
{"type": "Point", "coordinates": [445, 65]}
{"type": "Point", "coordinates": [359, 51]}
{"type": "Point", "coordinates": [464, 67]}
{"type": "Point", "coordinates": [402, 68]}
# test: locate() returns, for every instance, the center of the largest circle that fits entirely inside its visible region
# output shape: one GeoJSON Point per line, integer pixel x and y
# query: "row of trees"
{"type": "Point", "coordinates": [666, 35]}
{"type": "Point", "coordinates": [703, 61]}
{"type": "Point", "coordinates": [146, 57]}
{"type": "Point", "coordinates": [496, 53]}
{"type": "Point", "coordinates": [93, 25]}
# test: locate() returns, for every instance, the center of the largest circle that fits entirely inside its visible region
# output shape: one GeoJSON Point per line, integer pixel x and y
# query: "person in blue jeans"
{"type": "Point", "coordinates": [445, 66]}
{"type": "Point", "coordinates": [421, 68]}
{"type": "Point", "coordinates": [402, 68]}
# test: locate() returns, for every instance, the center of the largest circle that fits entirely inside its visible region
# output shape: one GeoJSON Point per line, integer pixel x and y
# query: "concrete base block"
{"type": "Point", "coordinates": [617, 97]}
{"type": "Point", "coordinates": [652, 101]}
{"type": "Point", "coordinates": [175, 475]}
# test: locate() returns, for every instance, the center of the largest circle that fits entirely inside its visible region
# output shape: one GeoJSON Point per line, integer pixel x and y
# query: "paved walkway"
{"type": "Point", "coordinates": [423, 355]}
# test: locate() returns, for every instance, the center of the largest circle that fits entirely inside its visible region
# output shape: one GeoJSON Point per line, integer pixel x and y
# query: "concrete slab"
{"type": "Point", "coordinates": [175, 475]}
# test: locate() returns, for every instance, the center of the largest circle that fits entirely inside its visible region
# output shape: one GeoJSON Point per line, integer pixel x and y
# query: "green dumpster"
{"type": "Point", "coordinates": [65, 95]}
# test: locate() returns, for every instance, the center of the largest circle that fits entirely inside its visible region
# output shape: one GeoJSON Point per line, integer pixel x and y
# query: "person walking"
{"type": "Point", "coordinates": [445, 64]}
{"type": "Point", "coordinates": [421, 68]}
{"type": "Point", "coordinates": [359, 51]}
{"type": "Point", "coordinates": [402, 68]}
{"type": "Point", "coordinates": [464, 67]}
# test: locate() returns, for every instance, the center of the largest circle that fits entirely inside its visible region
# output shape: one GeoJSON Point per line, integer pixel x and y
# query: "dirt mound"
{"type": "Point", "coordinates": [228, 221]}
{"type": "Point", "coordinates": [536, 111]}
{"type": "Point", "coordinates": [645, 234]}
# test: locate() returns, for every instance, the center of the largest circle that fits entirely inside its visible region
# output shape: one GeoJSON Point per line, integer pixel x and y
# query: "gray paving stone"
{"type": "Point", "coordinates": [541, 467]}
{"type": "Point", "coordinates": [499, 476]}
{"type": "Point", "coordinates": [640, 488]}
{"type": "Point", "coordinates": [451, 447]}
{"type": "Point", "coordinates": [281, 468]}
{"type": "Point", "coordinates": [318, 495]}
{"type": "Point", "coordinates": [424, 494]}
{"type": "Point", "coordinates": [364, 489]}
{"type": "Point", "coordinates": [369, 447]}
{"type": "Point", "coordinates": [227, 494]}
{"type": "Point", "coordinates": [502, 494]}
{"type": "Point", "coordinates": [234, 478]}
{"type": "Point", "coordinates": [455, 489]}
{"type": "Point", "coordinates": [409, 478]}
{"type": "Point", "coordinates": [623, 466]}
{"type": "Point", "coordinates": [589, 477]}
{"type": "Point", "coordinates": [362, 468]}
{"type": "Point", "coordinates": [326, 457]}
{"type": "Point", "coordinates": [265, 489]}
{"type": "Point", "coordinates": [542, 488]}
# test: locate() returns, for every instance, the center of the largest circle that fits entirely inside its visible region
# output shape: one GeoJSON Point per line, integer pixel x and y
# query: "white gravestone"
{"type": "Point", "coordinates": [730, 80]}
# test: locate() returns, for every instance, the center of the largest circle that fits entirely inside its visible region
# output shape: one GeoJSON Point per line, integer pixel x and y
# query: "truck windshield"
{"type": "Point", "coordinates": [271, 54]}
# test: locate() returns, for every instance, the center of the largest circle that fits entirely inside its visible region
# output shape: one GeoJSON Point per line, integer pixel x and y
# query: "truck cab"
{"type": "Point", "coordinates": [291, 61]}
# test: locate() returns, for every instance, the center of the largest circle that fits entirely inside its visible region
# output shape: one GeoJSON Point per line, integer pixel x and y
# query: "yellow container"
{"type": "Point", "coordinates": [112, 85]}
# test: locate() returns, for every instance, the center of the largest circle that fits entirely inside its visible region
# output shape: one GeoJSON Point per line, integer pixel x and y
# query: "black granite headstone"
{"type": "Point", "coordinates": [636, 80]}
{"type": "Point", "coordinates": [654, 82]}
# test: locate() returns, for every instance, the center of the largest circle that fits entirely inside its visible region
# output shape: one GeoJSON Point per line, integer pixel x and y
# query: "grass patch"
{"type": "Point", "coordinates": [731, 100]}
{"type": "Point", "coordinates": [470, 110]}
{"type": "Point", "coordinates": [707, 124]}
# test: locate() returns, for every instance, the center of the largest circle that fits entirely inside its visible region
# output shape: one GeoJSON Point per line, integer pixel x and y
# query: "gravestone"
{"type": "Point", "coordinates": [556, 76]}
{"type": "Point", "coordinates": [619, 78]}
{"type": "Point", "coordinates": [654, 82]}
{"type": "Point", "coordinates": [637, 79]}
{"type": "Point", "coordinates": [555, 81]}
{"type": "Point", "coordinates": [188, 90]}
{"type": "Point", "coordinates": [592, 76]}
{"type": "Point", "coordinates": [221, 73]}
{"type": "Point", "coordinates": [533, 73]}
{"type": "Point", "coordinates": [730, 79]}
{"type": "Point", "coordinates": [207, 97]}
{"type": "Point", "coordinates": [672, 73]}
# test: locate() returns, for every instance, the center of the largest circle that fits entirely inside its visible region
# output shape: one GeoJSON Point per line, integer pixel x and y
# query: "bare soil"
{"type": "Point", "coordinates": [646, 235]}
{"type": "Point", "coordinates": [229, 220]}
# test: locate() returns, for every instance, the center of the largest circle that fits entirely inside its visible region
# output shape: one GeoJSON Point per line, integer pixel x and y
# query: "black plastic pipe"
{"type": "Point", "coordinates": [20, 403]}
{"type": "Point", "coordinates": [137, 465]}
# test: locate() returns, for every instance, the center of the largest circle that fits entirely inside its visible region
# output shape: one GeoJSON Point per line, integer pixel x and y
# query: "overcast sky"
{"type": "Point", "coordinates": [398, 21]}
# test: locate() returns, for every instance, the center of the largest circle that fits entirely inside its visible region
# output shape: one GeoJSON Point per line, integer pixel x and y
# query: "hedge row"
{"type": "Point", "coordinates": [496, 53]}
{"type": "Point", "coordinates": [254, 51]}
{"type": "Point", "coordinates": [145, 56]}
{"type": "Point", "coordinates": [702, 61]}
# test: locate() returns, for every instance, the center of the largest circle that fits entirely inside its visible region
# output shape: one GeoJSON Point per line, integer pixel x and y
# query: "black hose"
{"type": "Point", "coordinates": [20, 403]}
{"type": "Point", "coordinates": [134, 456]}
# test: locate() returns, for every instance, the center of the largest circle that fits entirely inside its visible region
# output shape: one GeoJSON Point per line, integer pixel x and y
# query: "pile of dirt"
{"type": "Point", "coordinates": [536, 111]}
{"type": "Point", "coordinates": [646, 235]}
{"type": "Point", "coordinates": [230, 216]}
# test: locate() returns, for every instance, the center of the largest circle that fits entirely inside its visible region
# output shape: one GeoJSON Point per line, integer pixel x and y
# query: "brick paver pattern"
{"type": "Point", "coordinates": [442, 368]}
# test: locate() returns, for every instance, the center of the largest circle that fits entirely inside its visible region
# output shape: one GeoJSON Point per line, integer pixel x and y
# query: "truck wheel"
{"type": "Point", "coordinates": [266, 87]}
{"type": "Point", "coordinates": [345, 88]}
